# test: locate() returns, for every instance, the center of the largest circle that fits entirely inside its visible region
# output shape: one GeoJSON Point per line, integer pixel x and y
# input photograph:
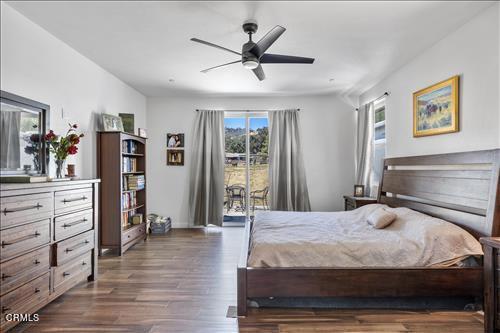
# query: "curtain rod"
{"type": "Point", "coordinates": [268, 110]}
{"type": "Point", "coordinates": [376, 99]}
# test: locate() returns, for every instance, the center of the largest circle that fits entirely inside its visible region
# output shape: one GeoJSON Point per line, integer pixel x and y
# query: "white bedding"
{"type": "Point", "coordinates": [345, 239]}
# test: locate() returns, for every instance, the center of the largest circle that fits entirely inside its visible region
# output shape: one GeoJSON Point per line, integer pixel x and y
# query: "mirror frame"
{"type": "Point", "coordinates": [44, 110]}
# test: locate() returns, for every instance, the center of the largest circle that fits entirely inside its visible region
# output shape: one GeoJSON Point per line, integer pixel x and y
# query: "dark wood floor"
{"type": "Point", "coordinates": [185, 282]}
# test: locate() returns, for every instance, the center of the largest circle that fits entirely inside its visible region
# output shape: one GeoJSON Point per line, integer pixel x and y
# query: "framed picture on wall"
{"type": "Point", "coordinates": [175, 157]}
{"type": "Point", "coordinates": [175, 140]}
{"type": "Point", "coordinates": [435, 108]}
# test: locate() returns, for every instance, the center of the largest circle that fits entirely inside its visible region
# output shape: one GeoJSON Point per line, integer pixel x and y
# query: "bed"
{"type": "Point", "coordinates": [461, 188]}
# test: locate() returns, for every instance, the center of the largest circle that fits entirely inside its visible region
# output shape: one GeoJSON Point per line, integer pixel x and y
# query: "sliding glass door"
{"type": "Point", "coordinates": [246, 166]}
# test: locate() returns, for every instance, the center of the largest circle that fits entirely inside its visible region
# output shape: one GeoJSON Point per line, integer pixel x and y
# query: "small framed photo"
{"type": "Point", "coordinates": [359, 190]}
{"type": "Point", "coordinates": [175, 140]}
{"type": "Point", "coordinates": [175, 157]}
{"type": "Point", "coordinates": [111, 123]}
{"type": "Point", "coordinates": [142, 132]}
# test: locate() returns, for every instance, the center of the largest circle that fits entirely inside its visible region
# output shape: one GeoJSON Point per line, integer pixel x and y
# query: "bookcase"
{"type": "Point", "coordinates": [121, 166]}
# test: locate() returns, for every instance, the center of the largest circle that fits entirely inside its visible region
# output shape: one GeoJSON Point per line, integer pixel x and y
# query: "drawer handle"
{"type": "Point", "coordinates": [20, 209]}
{"type": "Point", "coordinates": [37, 262]}
{"type": "Point", "coordinates": [5, 309]}
{"type": "Point", "coordinates": [69, 249]}
{"type": "Point", "coordinates": [37, 290]}
{"type": "Point", "coordinates": [66, 273]}
{"type": "Point", "coordinates": [84, 263]}
{"type": "Point", "coordinates": [21, 239]}
{"type": "Point", "coordinates": [76, 199]}
{"type": "Point", "coordinates": [5, 276]}
{"type": "Point", "coordinates": [66, 225]}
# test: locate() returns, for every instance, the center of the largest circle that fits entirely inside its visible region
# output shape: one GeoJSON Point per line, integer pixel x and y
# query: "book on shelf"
{"type": "Point", "coordinates": [129, 164]}
{"type": "Point", "coordinates": [133, 182]}
{"type": "Point", "coordinates": [129, 147]}
{"type": "Point", "coordinates": [129, 200]}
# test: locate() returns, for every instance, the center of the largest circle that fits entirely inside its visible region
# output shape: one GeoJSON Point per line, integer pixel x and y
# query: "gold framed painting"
{"type": "Point", "coordinates": [435, 108]}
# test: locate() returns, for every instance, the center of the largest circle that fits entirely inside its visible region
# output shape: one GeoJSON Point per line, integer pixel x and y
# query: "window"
{"type": "Point", "coordinates": [378, 142]}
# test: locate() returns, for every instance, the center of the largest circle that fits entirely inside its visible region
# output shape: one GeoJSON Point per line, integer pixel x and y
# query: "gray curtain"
{"type": "Point", "coordinates": [10, 150]}
{"type": "Point", "coordinates": [206, 185]}
{"type": "Point", "coordinates": [287, 177]}
{"type": "Point", "coordinates": [364, 146]}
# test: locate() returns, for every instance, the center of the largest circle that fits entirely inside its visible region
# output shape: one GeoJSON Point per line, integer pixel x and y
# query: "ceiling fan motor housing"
{"type": "Point", "coordinates": [248, 59]}
{"type": "Point", "coordinates": [250, 26]}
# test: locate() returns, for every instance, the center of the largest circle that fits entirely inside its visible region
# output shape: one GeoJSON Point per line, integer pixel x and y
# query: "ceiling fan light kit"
{"type": "Point", "coordinates": [253, 54]}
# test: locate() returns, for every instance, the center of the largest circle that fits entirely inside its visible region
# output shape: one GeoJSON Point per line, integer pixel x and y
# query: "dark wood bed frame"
{"type": "Point", "coordinates": [462, 188]}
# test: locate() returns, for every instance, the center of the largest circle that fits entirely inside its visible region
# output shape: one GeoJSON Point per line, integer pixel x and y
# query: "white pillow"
{"type": "Point", "coordinates": [381, 218]}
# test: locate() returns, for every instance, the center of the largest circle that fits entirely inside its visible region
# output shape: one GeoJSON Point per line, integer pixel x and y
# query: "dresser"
{"type": "Point", "coordinates": [352, 202]}
{"type": "Point", "coordinates": [48, 234]}
{"type": "Point", "coordinates": [491, 248]}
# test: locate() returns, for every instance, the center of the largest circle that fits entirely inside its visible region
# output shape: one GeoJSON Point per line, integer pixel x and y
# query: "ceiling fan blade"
{"type": "Point", "coordinates": [229, 63]}
{"type": "Point", "coordinates": [259, 72]}
{"type": "Point", "coordinates": [265, 42]}
{"type": "Point", "coordinates": [213, 45]}
{"type": "Point", "coordinates": [269, 58]}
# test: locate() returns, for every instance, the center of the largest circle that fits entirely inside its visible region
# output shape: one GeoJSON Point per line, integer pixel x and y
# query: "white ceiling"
{"type": "Point", "coordinates": [147, 43]}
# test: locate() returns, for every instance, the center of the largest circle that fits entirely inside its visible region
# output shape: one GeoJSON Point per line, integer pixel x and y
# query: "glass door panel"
{"type": "Point", "coordinates": [235, 170]}
{"type": "Point", "coordinates": [258, 164]}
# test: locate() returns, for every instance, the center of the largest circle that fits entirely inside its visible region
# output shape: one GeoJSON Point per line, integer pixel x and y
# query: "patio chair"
{"type": "Point", "coordinates": [260, 195]}
{"type": "Point", "coordinates": [236, 193]}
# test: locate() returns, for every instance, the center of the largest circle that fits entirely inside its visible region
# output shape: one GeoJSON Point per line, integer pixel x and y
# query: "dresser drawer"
{"type": "Point", "coordinates": [22, 269]}
{"type": "Point", "coordinates": [133, 233]}
{"type": "Point", "coordinates": [22, 209]}
{"type": "Point", "coordinates": [81, 265]}
{"type": "Point", "coordinates": [27, 298]}
{"type": "Point", "coordinates": [20, 239]}
{"type": "Point", "coordinates": [74, 247]}
{"type": "Point", "coordinates": [73, 224]}
{"type": "Point", "coordinates": [72, 200]}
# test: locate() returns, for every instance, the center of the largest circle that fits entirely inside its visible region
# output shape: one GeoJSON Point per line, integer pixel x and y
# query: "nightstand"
{"type": "Point", "coordinates": [491, 263]}
{"type": "Point", "coordinates": [352, 202]}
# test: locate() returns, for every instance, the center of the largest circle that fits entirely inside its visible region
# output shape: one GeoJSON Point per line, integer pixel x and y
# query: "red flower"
{"type": "Point", "coordinates": [72, 150]}
{"type": "Point", "coordinates": [50, 136]}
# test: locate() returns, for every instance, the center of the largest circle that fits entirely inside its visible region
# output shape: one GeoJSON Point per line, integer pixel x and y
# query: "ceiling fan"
{"type": "Point", "coordinates": [253, 54]}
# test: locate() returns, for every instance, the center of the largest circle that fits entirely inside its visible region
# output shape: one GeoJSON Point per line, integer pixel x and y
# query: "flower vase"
{"type": "Point", "coordinates": [60, 168]}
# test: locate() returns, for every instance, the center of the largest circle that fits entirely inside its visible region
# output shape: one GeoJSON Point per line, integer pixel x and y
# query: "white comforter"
{"type": "Point", "coordinates": [345, 239]}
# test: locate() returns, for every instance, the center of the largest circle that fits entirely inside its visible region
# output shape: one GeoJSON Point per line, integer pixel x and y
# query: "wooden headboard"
{"type": "Point", "coordinates": [462, 188]}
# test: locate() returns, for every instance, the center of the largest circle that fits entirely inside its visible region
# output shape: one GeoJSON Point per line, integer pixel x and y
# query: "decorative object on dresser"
{"type": "Point", "coordinates": [63, 146]}
{"type": "Point", "coordinates": [353, 202]}
{"type": "Point", "coordinates": [121, 165]}
{"type": "Point", "coordinates": [48, 236]}
{"type": "Point", "coordinates": [435, 108]}
{"type": "Point", "coordinates": [491, 262]}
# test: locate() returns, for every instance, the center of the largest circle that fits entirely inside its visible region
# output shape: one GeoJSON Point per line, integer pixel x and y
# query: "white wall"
{"type": "Point", "coordinates": [327, 128]}
{"type": "Point", "coordinates": [472, 51]}
{"type": "Point", "coordinates": [36, 65]}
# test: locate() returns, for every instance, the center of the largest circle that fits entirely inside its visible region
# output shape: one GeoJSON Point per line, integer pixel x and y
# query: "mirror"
{"type": "Point", "coordinates": [23, 123]}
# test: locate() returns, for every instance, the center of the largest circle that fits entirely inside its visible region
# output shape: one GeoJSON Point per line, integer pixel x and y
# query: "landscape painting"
{"type": "Point", "coordinates": [435, 109]}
